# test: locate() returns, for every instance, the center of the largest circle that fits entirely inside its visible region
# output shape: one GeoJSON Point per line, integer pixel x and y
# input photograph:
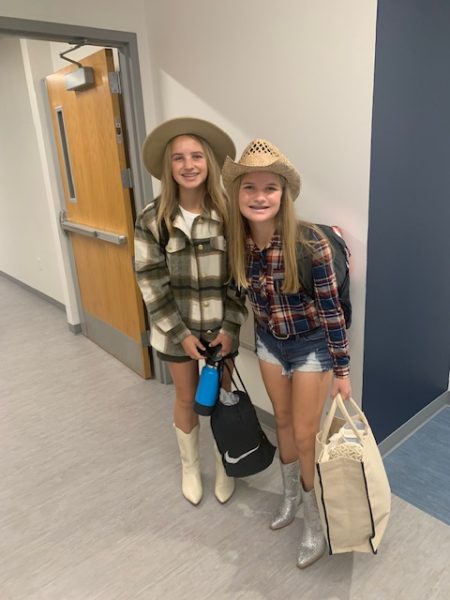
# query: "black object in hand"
{"type": "Point", "coordinates": [212, 354]}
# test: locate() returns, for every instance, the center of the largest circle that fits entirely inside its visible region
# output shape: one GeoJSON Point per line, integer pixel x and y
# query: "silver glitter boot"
{"type": "Point", "coordinates": [292, 496]}
{"type": "Point", "coordinates": [312, 544]}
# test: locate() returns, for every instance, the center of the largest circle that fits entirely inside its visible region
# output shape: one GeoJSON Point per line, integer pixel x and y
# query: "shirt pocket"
{"type": "Point", "coordinates": [217, 262]}
{"type": "Point", "coordinates": [218, 243]}
{"type": "Point", "coordinates": [177, 259]}
{"type": "Point", "coordinates": [280, 298]}
{"type": "Point", "coordinates": [175, 244]}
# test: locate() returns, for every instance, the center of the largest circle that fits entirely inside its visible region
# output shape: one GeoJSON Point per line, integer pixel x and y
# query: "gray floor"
{"type": "Point", "coordinates": [90, 506]}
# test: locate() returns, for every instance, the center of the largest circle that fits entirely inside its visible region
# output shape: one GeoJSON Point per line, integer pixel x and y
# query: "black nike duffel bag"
{"type": "Point", "coordinates": [241, 441]}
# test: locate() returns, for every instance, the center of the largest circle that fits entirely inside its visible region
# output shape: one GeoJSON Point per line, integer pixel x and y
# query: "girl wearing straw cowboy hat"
{"type": "Point", "coordinates": [181, 269]}
{"type": "Point", "coordinates": [301, 340]}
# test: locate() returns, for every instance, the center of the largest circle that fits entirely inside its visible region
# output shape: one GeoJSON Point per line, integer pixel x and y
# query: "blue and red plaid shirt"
{"type": "Point", "coordinates": [290, 314]}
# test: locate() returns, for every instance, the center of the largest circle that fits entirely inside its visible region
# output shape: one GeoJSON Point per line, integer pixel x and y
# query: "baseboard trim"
{"type": "Point", "coordinates": [75, 328]}
{"type": "Point", "coordinates": [406, 430]}
{"type": "Point", "coordinates": [56, 303]}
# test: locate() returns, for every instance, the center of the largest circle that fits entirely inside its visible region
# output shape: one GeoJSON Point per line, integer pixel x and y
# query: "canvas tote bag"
{"type": "Point", "coordinates": [351, 484]}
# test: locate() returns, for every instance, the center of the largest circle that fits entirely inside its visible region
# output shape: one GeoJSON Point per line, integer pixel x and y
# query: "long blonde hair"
{"type": "Point", "coordinates": [215, 197]}
{"type": "Point", "coordinates": [292, 232]}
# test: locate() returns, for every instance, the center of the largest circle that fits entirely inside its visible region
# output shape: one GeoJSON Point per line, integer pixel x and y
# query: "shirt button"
{"type": "Point", "coordinates": [200, 246]}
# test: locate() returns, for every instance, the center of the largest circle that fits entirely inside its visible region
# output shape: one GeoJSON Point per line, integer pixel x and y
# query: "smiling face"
{"type": "Point", "coordinates": [188, 160]}
{"type": "Point", "coordinates": [260, 198]}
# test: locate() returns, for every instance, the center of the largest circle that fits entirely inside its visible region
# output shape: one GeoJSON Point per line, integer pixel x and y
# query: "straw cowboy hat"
{"type": "Point", "coordinates": [156, 141]}
{"type": "Point", "coordinates": [261, 155]}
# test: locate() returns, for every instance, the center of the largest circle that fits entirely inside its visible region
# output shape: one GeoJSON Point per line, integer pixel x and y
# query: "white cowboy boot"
{"type": "Point", "coordinates": [224, 487]}
{"type": "Point", "coordinates": [312, 544]}
{"type": "Point", "coordinates": [191, 480]}
{"type": "Point", "coordinates": [292, 496]}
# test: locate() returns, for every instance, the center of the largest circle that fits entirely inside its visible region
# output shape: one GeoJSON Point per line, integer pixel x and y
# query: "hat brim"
{"type": "Point", "coordinates": [232, 170]}
{"type": "Point", "coordinates": [155, 143]}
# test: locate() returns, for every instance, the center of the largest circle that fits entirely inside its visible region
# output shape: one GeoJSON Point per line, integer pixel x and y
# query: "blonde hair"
{"type": "Point", "coordinates": [215, 197]}
{"type": "Point", "coordinates": [292, 232]}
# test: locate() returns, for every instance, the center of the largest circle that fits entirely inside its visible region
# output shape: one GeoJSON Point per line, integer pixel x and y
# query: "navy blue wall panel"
{"type": "Point", "coordinates": [407, 330]}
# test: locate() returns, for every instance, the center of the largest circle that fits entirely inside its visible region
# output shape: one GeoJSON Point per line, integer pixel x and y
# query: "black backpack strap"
{"type": "Point", "coordinates": [336, 240]}
{"type": "Point", "coordinates": [163, 236]}
{"type": "Point", "coordinates": [163, 232]}
{"type": "Point", "coordinates": [341, 261]}
{"type": "Point", "coordinates": [304, 265]}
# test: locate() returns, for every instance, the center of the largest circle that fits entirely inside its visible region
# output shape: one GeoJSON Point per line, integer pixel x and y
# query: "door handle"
{"type": "Point", "coordinates": [106, 236]}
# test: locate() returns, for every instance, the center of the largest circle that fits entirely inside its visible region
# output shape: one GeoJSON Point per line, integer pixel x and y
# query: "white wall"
{"type": "Point", "coordinates": [26, 234]}
{"type": "Point", "coordinates": [301, 77]}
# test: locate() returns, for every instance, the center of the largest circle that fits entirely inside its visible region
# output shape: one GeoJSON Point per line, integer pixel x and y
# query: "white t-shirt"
{"type": "Point", "coordinates": [189, 217]}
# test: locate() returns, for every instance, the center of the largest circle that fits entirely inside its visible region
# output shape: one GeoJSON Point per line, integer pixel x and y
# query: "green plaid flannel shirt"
{"type": "Point", "coordinates": [184, 285]}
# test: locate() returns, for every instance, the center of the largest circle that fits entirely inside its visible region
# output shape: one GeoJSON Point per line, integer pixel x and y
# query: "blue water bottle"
{"type": "Point", "coordinates": [209, 383]}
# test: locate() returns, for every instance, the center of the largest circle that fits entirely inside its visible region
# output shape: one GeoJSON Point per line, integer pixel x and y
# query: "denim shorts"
{"type": "Point", "coordinates": [306, 352]}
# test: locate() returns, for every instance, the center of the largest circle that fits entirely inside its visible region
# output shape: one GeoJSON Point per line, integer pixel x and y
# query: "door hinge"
{"type": "Point", "coordinates": [145, 339]}
{"type": "Point", "coordinates": [114, 82]}
{"type": "Point", "coordinates": [127, 178]}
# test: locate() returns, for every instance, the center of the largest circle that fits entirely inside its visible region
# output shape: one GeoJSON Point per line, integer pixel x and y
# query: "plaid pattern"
{"type": "Point", "coordinates": [290, 314]}
{"type": "Point", "coordinates": [184, 287]}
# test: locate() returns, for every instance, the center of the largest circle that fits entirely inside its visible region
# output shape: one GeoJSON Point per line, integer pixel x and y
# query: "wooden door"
{"type": "Point", "coordinates": [99, 211]}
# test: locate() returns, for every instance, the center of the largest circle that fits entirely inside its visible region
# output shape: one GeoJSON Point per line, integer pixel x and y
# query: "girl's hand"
{"type": "Point", "coordinates": [191, 346]}
{"type": "Point", "coordinates": [342, 386]}
{"type": "Point", "coordinates": [226, 341]}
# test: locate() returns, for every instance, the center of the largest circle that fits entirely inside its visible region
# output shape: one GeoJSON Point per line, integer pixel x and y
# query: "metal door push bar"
{"type": "Point", "coordinates": [106, 236]}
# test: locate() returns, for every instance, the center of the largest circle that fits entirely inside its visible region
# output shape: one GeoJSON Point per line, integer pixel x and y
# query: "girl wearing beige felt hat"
{"type": "Point", "coordinates": [301, 337]}
{"type": "Point", "coordinates": [181, 270]}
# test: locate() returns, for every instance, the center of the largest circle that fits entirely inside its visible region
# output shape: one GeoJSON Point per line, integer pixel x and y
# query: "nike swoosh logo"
{"type": "Point", "coordinates": [233, 461]}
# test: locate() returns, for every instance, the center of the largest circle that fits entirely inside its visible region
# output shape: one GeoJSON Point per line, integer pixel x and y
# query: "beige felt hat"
{"type": "Point", "coordinates": [156, 141]}
{"type": "Point", "coordinates": [261, 155]}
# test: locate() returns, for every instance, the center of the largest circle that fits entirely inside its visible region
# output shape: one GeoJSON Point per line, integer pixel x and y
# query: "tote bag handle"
{"type": "Point", "coordinates": [338, 402]}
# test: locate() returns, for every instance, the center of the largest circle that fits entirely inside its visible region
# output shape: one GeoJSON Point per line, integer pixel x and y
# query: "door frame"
{"type": "Point", "coordinates": [126, 44]}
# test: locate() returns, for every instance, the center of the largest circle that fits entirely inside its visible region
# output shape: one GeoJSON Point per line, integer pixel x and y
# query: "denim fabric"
{"type": "Point", "coordinates": [304, 352]}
